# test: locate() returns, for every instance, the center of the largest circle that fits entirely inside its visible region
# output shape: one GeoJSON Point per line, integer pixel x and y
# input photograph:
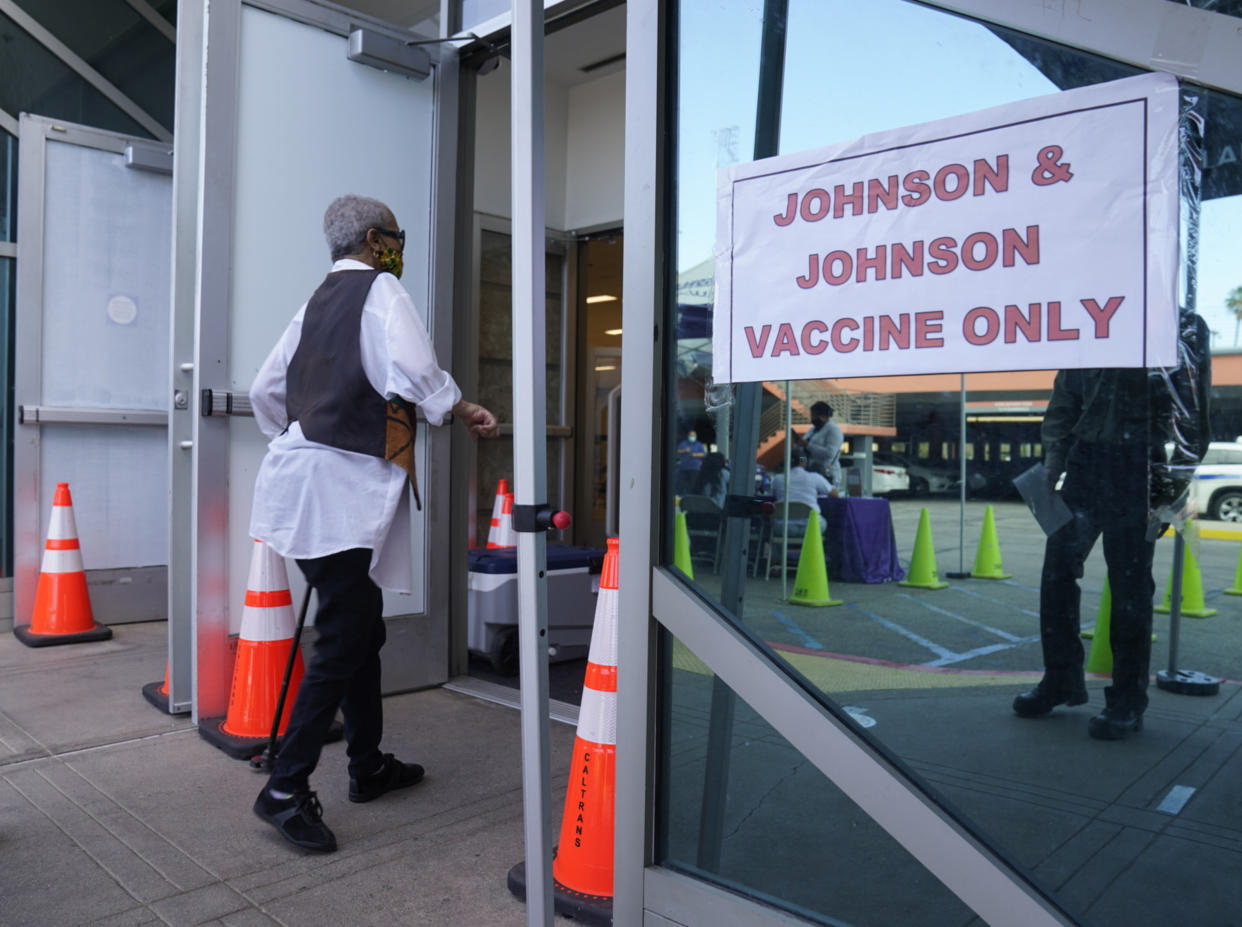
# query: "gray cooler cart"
{"type": "Point", "coordinates": [492, 609]}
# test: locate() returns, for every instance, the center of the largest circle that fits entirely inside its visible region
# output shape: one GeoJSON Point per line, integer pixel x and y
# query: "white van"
{"type": "Point", "coordinates": [1217, 486]}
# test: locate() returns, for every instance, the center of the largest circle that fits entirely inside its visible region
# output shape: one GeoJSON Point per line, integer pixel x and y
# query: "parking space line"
{"type": "Point", "coordinates": [794, 629]}
{"type": "Point", "coordinates": [962, 618]}
{"type": "Point", "coordinates": [944, 656]}
{"type": "Point", "coordinates": [942, 652]}
{"type": "Point", "coordinates": [988, 598]}
{"type": "Point", "coordinates": [980, 652]}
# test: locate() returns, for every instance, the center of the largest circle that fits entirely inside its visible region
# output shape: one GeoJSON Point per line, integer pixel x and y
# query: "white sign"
{"type": "Point", "coordinates": [1037, 235]}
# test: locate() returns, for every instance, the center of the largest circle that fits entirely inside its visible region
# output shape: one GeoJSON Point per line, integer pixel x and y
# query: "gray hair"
{"type": "Point", "coordinates": [347, 221]}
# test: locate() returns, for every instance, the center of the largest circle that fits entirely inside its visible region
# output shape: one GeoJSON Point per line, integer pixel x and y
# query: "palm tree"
{"type": "Point", "coordinates": [1233, 302]}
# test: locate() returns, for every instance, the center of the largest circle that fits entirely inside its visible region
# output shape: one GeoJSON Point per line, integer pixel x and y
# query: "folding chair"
{"type": "Point", "coordinates": [704, 520]}
{"type": "Point", "coordinates": [799, 515]}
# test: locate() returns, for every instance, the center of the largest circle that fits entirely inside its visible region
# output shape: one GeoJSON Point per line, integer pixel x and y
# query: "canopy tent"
{"type": "Point", "coordinates": [1069, 68]}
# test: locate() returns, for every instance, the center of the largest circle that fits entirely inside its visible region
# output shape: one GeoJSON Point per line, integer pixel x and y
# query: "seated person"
{"type": "Point", "coordinates": [804, 486]}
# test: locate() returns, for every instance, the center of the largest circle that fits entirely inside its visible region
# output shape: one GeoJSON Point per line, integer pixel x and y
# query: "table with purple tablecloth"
{"type": "Point", "coordinates": [859, 541]}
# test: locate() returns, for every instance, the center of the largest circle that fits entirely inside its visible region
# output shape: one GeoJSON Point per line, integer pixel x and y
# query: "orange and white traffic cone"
{"type": "Point", "coordinates": [62, 607]}
{"type": "Point", "coordinates": [160, 695]}
{"type": "Point", "coordinates": [506, 533]}
{"type": "Point", "coordinates": [582, 864]}
{"type": "Point", "coordinates": [498, 504]}
{"type": "Point", "coordinates": [157, 692]}
{"type": "Point", "coordinates": [267, 628]}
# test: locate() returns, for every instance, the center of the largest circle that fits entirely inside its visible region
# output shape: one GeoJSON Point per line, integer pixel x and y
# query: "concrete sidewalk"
{"type": "Point", "coordinates": [114, 814]}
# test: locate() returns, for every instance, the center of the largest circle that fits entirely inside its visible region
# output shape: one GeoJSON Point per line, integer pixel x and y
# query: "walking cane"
{"type": "Point", "coordinates": [266, 761]}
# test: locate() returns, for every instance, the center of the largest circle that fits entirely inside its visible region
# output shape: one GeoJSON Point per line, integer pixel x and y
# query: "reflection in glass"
{"type": "Point", "coordinates": [33, 80]}
{"type": "Point", "coordinates": [8, 187]}
{"type": "Point", "coordinates": [1144, 832]}
{"type": "Point", "coordinates": [495, 387]}
{"type": "Point", "coordinates": [1227, 7]}
{"type": "Point", "coordinates": [785, 833]}
{"type": "Point", "coordinates": [599, 381]}
{"type": "Point", "coordinates": [474, 12]}
{"type": "Point", "coordinates": [127, 50]}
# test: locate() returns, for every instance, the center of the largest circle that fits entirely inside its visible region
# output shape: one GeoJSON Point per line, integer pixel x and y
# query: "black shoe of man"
{"type": "Point", "coordinates": [1047, 696]}
{"type": "Point", "coordinates": [392, 774]}
{"type": "Point", "coordinates": [298, 818]}
{"type": "Point", "coordinates": [1115, 723]}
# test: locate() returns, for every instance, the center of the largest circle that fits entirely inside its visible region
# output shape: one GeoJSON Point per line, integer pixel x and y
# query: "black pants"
{"type": "Point", "coordinates": [1106, 489]}
{"type": "Point", "coordinates": [344, 671]}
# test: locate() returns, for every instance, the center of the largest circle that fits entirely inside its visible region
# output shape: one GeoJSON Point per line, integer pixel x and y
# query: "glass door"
{"type": "Point", "coordinates": [600, 307]}
{"type": "Point", "coordinates": [495, 369]}
{"type": "Point", "coordinates": [91, 372]}
{"type": "Point", "coordinates": [859, 755]}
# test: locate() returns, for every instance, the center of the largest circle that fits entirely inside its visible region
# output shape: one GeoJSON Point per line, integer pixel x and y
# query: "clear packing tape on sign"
{"type": "Point", "coordinates": [1181, 395]}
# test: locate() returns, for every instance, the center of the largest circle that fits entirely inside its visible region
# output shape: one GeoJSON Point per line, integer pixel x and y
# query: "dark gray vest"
{"type": "Point", "coordinates": [326, 388]}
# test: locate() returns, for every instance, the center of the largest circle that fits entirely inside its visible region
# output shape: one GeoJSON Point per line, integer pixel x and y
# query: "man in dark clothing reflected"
{"type": "Point", "coordinates": [1106, 431]}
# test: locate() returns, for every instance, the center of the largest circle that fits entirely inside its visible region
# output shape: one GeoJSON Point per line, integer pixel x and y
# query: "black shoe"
{"type": "Point", "coordinates": [393, 774]}
{"type": "Point", "coordinates": [1044, 697]}
{"type": "Point", "coordinates": [298, 818]}
{"type": "Point", "coordinates": [1115, 724]}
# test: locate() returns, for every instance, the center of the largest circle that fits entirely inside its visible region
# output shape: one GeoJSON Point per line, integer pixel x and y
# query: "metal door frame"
{"type": "Point", "coordinates": [204, 188]}
{"type": "Point", "coordinates": [1194, 44]}
{"type": "Point", "coordinates": [30, 414]}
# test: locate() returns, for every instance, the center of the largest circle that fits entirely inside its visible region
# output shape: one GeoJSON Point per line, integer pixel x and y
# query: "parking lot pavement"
{"type": "Point", "coordinates": [989, 626]}
{"type": "Point", "coordinates": [1145, 831]}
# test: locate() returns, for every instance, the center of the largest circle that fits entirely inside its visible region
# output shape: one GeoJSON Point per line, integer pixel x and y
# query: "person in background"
{"type": "Point", "coordinates": [822, 444]}
{"type": "Point", "coordinates": [712, 479]}
{"type": "Point", "coordinates": [804, 485]}
{"type": "Point", "coordinates": [335, 397]}
{"type": "Point", "coordinates": [763, 480]}
{"type": "Point", "coordinates": [1106, 431]}
{"type": "Point", "coordinates": [690, 454]}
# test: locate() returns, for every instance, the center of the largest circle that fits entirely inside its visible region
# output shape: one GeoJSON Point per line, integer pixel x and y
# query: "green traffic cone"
{"type": "Point", "coordinates": [988, 557]}
{"type": "Point", "coordinates": [811, 580]}
{"type": "Point", "coordinates": [922, 573]}
{"type": "Point", "coordinates": [1102, 625]}
{"type": "Point", "coordinates": [1236, 588]}
{"type": "Point", "coordinates": [1100, 659]}
{"type": "Point", "coordinates": [681, 545]}
{"type": "Point", "coordinates": [1193, 605]}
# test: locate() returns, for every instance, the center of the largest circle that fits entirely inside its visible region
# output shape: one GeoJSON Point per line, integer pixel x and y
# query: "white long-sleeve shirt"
{"type": "Point", "coordinates": [310, 499]}
{"type": "Point", "coordinates": [804, 486]}
{"type": "Point", "coordinates": [823, 446]}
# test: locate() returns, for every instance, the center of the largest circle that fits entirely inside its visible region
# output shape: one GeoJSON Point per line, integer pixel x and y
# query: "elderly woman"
{"type": "Point", "coordinates": [335, 397]}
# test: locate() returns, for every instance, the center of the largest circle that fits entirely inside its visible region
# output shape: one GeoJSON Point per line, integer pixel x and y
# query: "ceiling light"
{"type": "Point", "coordinates": [601, 299]}
{"type": "Point", "coordinates": [612, 331]}
{"type": "Point", "coordinates": [606, 367]}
